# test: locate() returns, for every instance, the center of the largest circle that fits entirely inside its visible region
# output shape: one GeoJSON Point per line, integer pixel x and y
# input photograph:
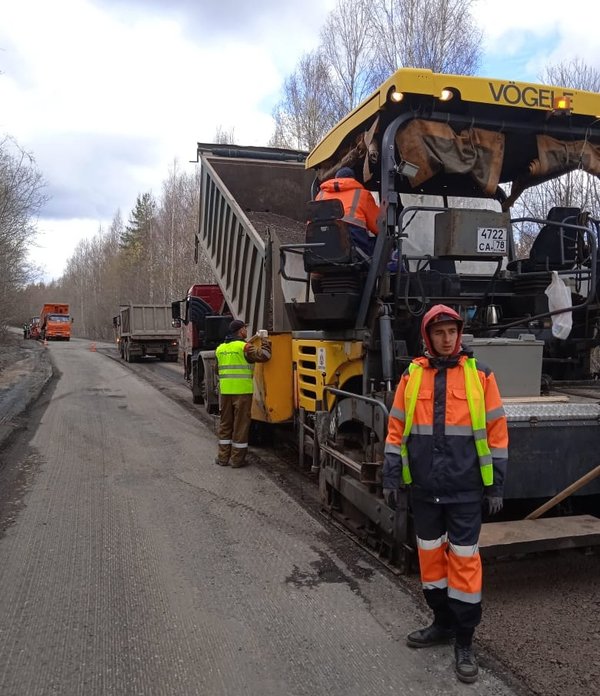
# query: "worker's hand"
{"type": "Point", "coordinates": [494, 504]}
{"type": "Point", "coordinates": [389, 495]}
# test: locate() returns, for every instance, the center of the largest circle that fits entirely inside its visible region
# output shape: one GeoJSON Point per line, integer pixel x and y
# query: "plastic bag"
{"type": "Point", "coordinates": [559, 297]}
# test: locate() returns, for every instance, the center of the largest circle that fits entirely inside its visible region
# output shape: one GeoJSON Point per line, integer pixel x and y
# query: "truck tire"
{"type": "Point", "coordinates": [128, 356]}
{"type": "Point", "coordinates": [197, 384]}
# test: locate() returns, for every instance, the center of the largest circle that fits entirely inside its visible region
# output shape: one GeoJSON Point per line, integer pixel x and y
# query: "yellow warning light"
{"type": "Point", "coordinates": [563, 104]}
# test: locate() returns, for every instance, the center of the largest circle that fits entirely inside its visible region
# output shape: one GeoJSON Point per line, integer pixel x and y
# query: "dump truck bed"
{"type": "Point", "coordinates": [252, 200]}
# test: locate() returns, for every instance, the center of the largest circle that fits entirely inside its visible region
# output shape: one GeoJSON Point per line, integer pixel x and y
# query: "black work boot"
{"type": "Point", "coordinates": [466, 665]}
{"type": "Point", "coordinates": [432, 635]}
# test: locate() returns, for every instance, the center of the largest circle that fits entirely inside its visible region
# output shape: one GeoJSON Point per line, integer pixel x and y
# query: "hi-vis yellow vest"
{"type": "Point", "coordinates": [476, 401]}
{"type": "Point", "coordinates": [235, 373]}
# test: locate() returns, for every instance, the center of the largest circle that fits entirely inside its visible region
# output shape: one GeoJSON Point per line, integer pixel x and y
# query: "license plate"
{"type": "Point", "coordinates": [492, 240]}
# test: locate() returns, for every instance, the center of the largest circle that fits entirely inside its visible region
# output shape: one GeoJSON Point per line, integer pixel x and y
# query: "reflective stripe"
{"type": "Point", "coordinates": [464, 551]}
{"type": "Point", "coordinates": [495, 413]}
{"type": "Point", "coordinates": [474, 390]}
{"type": "Point", "coordinates": [467, 597]}
{"type": "Point", "coordinates": [499, 452]}
{"type": "Point", "coordinates": [433, 562]}
{"type": "Point", "coordinates": [224, 442]}
{"type": "Point", "coordinates": [237, 376]}
{"type": "Point", "coordinates": [236, 367]}
{"type": "Point", "coordinates": [390, 448]}
{"type": "Point", "coordinates": [440, 584]}
{"type": "Point", "coordinates": [461, 430]}
{"type": "Point", "coordinates": [350, 216]}
{"type": "Point", "coordinates": [422, 430]}
{"type": "Point", "coordinates": [397, 413]}
{"type": "Point", "coordinates": [429, 544]}
{"type": "Point", "coordinates": [412, 392]}
{"type": "Point", "coordinates": [239, 445]}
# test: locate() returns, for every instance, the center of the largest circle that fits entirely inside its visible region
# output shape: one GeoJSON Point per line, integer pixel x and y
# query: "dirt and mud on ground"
{"type": "Point", "coordinates": [24, 370]}
{"type": "Point", "coordinates": [540, 625]}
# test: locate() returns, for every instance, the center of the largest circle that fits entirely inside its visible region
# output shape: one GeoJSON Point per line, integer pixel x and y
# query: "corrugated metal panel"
{"type": "Point", "coordinates": [248, 207]}
{"type": "Point", "coordinates": [235, 251]}
{"type": "Point", "coordinates": [147, 320]}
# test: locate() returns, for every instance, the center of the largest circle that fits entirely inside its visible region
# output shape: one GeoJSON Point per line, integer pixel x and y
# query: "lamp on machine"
{"type": "Point", "coordinates": [446, 95]}
{"type": "Point", "coordinates": [562, 105]}
{"type": "Point", "coordinates": [396, 96]}
{"type": "Point", "coordinates": [407, 169]}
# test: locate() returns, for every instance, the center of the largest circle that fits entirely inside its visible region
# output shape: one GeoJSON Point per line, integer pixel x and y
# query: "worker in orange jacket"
{"type": "Point", "coordinates": [360, 209]}
{"type": "Point", "coordinates": [448, 440]}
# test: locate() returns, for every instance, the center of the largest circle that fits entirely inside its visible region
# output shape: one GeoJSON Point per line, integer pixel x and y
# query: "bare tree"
{"type": "Point", "coordinates": [21, 197]}
{"type": "Point", "coordinates": [576, 189]}
{"type": "Point", "coordinates": [575, 74]}
{"type": "Point", "coordinates": [441, 35]}
{"type": "Point", "coordinates": [305, 112]}
{"type": "Point", "coordinates": [347, 44]}
{"type": "Point", "coordinates": [224, 137]}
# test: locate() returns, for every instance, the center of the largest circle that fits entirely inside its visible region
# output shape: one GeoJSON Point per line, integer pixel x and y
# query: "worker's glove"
{"type": "Point", "coordinates": [389, 495]}
{"type": "Point", "coordinates": [494, 504]}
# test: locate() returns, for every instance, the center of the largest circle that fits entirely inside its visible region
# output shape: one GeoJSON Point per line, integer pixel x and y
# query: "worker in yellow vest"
{"type": "Point", "coordinates": [448, 441]}
{"type": "Point", "coordinates": [235, 357]}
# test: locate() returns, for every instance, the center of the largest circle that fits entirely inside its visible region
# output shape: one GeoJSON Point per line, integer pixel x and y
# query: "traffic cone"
{"type": "Point", "coordinates": [93, 348]}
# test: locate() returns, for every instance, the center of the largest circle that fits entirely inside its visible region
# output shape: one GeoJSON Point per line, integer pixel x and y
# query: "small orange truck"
{"type": "Point", "coordinates": [55, 322]}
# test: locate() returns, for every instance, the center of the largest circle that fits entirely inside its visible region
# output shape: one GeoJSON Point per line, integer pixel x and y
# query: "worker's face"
{"type": "Point", "coordinates": [243, 332]}
{"type": "Point", "coordinates": [443, 337]}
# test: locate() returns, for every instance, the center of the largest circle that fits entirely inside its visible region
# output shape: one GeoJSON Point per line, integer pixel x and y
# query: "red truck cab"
{"type": "Point", "coordinates": [202, 318]}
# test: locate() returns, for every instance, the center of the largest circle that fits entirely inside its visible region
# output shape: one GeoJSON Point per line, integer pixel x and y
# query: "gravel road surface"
{"type": "Point", "coordinates": [130, 564]}
{"type": "Point", "coordinates": [540, 628]}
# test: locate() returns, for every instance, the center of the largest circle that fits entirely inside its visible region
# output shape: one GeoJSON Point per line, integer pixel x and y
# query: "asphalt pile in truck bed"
{"type": "Point", "coordinates": [288, 230]}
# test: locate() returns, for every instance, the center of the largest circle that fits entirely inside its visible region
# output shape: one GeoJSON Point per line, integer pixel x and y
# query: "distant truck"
{"type": "Point", "coordinates": [146, 330]}
{"type": "Point", "coordinates": [31, 328]}
{"type": "Point", "coordinates": [55, 322]}
{"type": "Point", "coordinates": [203, 318]}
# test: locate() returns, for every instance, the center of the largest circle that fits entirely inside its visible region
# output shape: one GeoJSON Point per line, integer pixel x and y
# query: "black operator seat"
{"type": "Point", "coordinates": [551, 250]}
{"type": "Point", "coordinates": [325, 226]}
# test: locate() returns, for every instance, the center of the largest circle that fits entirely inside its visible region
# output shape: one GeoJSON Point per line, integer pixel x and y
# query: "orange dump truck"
{"type": "Point", "coordinates": [55, 322]}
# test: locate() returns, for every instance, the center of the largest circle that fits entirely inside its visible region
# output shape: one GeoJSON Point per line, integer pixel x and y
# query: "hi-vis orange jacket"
{"type": "Point", "coordinates": [442, 455]}
{"type": "Point", "coordinates": [360, 208]}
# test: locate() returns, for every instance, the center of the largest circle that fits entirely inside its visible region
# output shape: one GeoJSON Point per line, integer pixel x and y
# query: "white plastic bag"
{"type": "Point", "coordinates": [559, 297]}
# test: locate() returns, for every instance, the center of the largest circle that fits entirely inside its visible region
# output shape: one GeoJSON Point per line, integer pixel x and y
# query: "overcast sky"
{"type": "Point", "coordinates": [106, 94]}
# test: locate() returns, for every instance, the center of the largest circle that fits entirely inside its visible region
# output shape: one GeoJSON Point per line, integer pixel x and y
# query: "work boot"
{"type": "Point", "coordinates": [432, 635]}
{"type": "Point", "coordinates": [466, 665]}
{"type": "Point", "coordinates": [218, 462]}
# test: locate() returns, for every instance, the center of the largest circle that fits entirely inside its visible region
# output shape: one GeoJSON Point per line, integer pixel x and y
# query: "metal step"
{"type": "Point", "coordinates": [530, 536]}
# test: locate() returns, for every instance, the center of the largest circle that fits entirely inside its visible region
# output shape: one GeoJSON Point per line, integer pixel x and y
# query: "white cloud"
{"type": "Point", "coordinates": [56, 238]}
{"type": "Point", "coordinates": [106, 95]}
{"type": "Point", "coordinates": [540, 32]}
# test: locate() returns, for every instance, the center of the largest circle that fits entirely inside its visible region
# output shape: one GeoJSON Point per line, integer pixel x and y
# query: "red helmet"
{"type": "Point", "coordinates": [436, 315]}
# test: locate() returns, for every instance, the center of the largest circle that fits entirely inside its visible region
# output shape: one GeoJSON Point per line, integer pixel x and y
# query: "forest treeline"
{"type": "Point", "coordinates": [148, 259]}
{"type": "Point", "coordinates": [147, 254]}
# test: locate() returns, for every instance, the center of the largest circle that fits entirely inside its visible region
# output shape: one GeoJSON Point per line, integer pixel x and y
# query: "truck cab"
{"type": "Point", "coordinates": [203, 319]}
{"type": "Point", "coordinates": [55, 322]}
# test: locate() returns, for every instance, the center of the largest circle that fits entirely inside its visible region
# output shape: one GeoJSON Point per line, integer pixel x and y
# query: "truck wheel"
{"type": "Point", "coordinates": [198, 386]}
{"type": "Point", "coordinates": [128, 356]}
